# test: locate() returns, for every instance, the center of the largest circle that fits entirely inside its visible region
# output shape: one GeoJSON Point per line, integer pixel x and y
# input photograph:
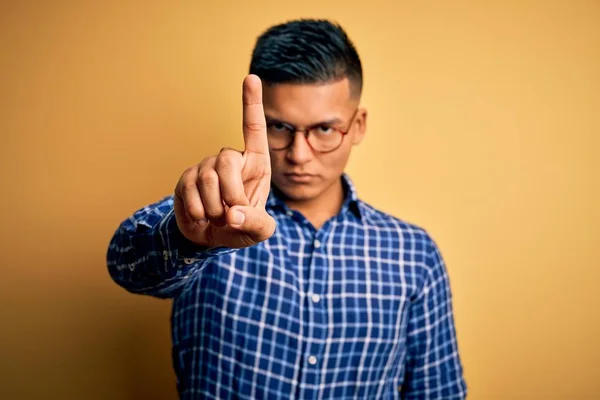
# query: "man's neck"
{"type": "Point", "coordinates": [322, 208]}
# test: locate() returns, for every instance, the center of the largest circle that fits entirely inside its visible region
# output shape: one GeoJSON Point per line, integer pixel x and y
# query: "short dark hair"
{"type": "Point", "coordinates": [306, 51]}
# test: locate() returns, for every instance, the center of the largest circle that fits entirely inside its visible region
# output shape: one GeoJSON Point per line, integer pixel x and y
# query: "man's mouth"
{"type": "Point", "coordinates": [299, 177]}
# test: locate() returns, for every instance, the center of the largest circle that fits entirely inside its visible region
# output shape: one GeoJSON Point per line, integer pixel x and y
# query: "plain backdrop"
{"type": "Point", "coordinates": [484, 124]}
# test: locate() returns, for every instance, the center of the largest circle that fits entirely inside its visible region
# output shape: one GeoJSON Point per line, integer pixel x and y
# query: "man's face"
{"type": "Point", "coordinates": [301, 106]}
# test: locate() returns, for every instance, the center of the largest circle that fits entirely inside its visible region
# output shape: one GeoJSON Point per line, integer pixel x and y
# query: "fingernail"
{"type": "Point", "coordinates": [238, 217]}
{"type": "Point", "coordinates": [201, 222]}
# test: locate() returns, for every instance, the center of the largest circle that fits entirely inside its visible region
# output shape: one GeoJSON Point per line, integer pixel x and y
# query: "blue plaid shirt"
{"type": "Point", "coordinates": [359, 309]}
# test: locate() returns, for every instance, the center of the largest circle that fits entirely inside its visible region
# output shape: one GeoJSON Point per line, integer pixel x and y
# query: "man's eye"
{"type": "Point", "coordinates": [278, 128]}
{"type": "Point", "coordinates": [324, 129]}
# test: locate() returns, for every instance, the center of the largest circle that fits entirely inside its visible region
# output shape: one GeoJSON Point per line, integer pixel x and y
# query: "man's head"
{"type": "Point", "coordinates": [312, 79]}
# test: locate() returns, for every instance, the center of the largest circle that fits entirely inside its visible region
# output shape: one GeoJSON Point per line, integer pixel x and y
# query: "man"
{"type": "Point", "coordinates": [285, 284]}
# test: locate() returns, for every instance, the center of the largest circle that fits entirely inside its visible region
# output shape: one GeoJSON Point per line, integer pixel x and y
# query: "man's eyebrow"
{"type": "Point", "coordinates": [331, 121]}
{"type": "Point", "coordinates": [271, 120]}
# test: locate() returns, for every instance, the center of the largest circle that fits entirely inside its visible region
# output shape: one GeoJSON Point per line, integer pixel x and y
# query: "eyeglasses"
{"type": "Point", "coordinates": [321, 138]}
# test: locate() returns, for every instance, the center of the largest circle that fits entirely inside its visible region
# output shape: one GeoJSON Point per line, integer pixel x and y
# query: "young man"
{"type": "Point", "coordinates": [285, 284]}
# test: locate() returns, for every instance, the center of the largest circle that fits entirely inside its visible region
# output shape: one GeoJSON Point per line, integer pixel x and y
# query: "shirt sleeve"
{"type": "Point", "coordinates": [433, 365]}
{"type": "Point", "coordinates": [148, 254]}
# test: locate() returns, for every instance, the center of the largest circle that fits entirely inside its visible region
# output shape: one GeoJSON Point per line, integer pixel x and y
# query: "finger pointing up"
{"type": "Point", "coordinates": [255, 127]}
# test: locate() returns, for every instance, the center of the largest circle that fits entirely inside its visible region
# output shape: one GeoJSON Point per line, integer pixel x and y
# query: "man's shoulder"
{"type": "Point", "coordinates": [382, 220]}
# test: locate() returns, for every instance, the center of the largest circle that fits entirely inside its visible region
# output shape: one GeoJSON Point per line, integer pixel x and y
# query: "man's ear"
{"type": "Point", "coordinates": [361, 126]}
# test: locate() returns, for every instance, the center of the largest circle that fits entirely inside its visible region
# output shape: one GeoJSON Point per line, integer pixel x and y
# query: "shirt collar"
{"type": "Point", "coordinates": [351, 201]}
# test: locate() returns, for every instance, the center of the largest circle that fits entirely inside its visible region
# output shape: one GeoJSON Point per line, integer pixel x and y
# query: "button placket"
{"type": "Point", "coordinates": [318, 317]}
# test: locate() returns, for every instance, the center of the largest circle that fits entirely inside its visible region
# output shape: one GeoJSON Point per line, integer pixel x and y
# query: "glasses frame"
{"type": "Point", "coordinates": [307, 130]}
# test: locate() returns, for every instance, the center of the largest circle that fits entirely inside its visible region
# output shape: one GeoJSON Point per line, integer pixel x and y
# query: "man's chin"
{"type": "Point", "coordinates": [297, 192]}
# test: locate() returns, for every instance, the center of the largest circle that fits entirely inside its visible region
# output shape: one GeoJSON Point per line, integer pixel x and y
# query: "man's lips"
{"type": "Point", "coordinates": [298, 173]}
{"type": "Point", "coordinates": [299, 177]}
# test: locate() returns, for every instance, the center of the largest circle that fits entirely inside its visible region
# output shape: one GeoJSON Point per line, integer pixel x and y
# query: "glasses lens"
{"type": "Point", "coordinates": [325, 139]}
{"type": "Point", "coordinates": [279, 136]}
{"type": "Point", "coordinates": [321, 139]}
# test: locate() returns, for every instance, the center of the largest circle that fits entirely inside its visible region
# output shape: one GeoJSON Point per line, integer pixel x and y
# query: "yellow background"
{"type": "Point", "coordinates": [483, 128]}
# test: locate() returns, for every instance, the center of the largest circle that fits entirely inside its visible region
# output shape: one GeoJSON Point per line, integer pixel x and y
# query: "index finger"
{"type": "Point", "coordinates": [255, 126]}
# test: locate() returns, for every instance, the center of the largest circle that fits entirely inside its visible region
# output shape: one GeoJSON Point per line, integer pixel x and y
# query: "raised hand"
{"type": "Point", "coordinates": [221, 200]}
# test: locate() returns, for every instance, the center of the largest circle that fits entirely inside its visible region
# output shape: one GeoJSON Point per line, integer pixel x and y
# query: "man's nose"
{"type": "Point", "coordinates": [300, 151]}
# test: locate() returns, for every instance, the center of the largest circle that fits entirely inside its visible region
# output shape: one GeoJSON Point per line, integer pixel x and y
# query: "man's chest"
{"type": "Point", "coordinates": [317, 287]}
{"type": "Point", "coordinates": [314, 309]}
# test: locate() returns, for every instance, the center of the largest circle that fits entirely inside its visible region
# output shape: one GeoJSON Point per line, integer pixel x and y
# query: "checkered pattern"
{"type": "Point", "coordinates": [360, 309]}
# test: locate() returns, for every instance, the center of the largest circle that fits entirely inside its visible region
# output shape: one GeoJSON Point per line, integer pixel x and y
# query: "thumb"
{"type": "Point", "coordinates": [255, 222]}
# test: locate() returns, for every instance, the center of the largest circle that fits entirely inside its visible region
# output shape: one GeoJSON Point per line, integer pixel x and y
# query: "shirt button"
{"type": "Point", "coordinates": [317, 244]}
{"type": "Point", "coordinates": [165, 255]}
{"type": "Point", "coordinates": [188, 261]}
{"type": "Point", "coordinates": [289, 213]}
{"type": "Point", "coordinates": [315, 298]}
{"type": "Point", "coordinates": [312, 360]}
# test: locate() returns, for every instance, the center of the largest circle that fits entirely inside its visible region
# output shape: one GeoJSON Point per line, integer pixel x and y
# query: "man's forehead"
{"type": "Point", "coordinates": [286, 100]}
{"type": "Point", "coordinates": [337, 90]}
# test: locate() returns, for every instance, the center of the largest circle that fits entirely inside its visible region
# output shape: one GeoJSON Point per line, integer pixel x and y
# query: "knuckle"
{"type": "Point", "coordinates": [227, 160]}
{"type": "Point", "coordinates": [208, 176]}
{"type": "Point", "coordinates": [190, 170]}
{"type": "Point", "coordinates": [196, 215]}
{"type": "Point", "coordinates": [193, 205]}
{"type": "Point", "coordinates": [227, 150]}
{"type": "Point", "coordinates": [188, 186]}
{"type": "Point", "coordinates": [213, 209]}
{"type": "Point", "coordinates": [214, 212]}
{"type": "Point", "coordinates": [254, 126]}
{"type": "Point", "coordinates": [189, 174]}
{"type": "Point", "coordinates": [208, 161]}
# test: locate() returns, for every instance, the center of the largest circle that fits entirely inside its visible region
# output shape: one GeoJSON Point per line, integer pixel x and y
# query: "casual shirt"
{"type": "Point", "coordinates": [358, 309]}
